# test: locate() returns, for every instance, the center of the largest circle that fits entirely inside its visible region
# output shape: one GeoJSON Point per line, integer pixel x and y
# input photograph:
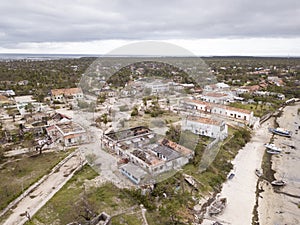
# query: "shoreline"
{"type": "Point", "coordinates": [281, 205]}
{"type": "Point", "coordinates": [240, 191]}
{"type": "Point", "coordinates": [253, 200]}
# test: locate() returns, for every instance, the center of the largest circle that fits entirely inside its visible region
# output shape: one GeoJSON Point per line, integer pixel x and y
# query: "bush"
{"type": "Point", "coordinates": [135, 111]}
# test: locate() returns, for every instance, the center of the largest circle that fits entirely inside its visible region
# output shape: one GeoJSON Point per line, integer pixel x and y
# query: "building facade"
{"type": "Point", "coordinates": [65, 94]}
{"type": "Point", "coordinates": [206, 127]}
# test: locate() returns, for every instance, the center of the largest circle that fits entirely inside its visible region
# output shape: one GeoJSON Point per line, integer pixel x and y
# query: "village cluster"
{"type": "Point", "coordinates": [142, 152]}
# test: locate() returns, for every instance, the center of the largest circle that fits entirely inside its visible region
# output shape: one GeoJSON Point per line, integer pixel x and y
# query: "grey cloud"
{"type": "Point", "coordinates": [60, 21]}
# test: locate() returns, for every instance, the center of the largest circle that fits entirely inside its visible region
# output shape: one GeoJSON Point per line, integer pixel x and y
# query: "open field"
{"type": "Point", "coordinates": [160, 122]}
{"type": "Point", "coordinates": [18, 173]}
{"type": "Point", "coordinates": [258, 109]}
{"type": "Point", "coordinates": [78, 196]}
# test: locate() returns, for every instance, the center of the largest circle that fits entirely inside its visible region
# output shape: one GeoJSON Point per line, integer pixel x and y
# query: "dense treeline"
{"type": "Point", "coordinates": [42, 76]}
{"type": "Point", "coordinates": [39, 77]}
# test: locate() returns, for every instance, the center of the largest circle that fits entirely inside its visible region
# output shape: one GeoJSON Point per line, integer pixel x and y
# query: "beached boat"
{"type": "Point", "coordinates": [272, 149]}
{"type": "Point", "coordinates": [258, 173]}
{"type": "Point", "coordinates": [281, 132]}
{"type": "Point", "coordinates": [273, 152]}
{"type": "Point", "coordinates": [278, 182]}
{"type": "Point", "coordinates": [230, 176]}
{"type": "Point", "coordinates": [217, 206]}
{"type": "Point", "coordinates": [217, 223]}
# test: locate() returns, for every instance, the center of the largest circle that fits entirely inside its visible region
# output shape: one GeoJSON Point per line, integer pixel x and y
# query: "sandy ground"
{"type": "Point", "coordinates": [240, 190]}
{"type": "Point", "coordinates": [276, 208]}
{"type": "Point", "coordinates": [35, 200]}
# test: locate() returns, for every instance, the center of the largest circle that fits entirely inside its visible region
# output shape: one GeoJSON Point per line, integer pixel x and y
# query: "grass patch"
{"type": "Point", "coordinates": [77, 201]}
{"type": "Point", "coordinates": [125, 219]}
{"type": "Point", "coordinates": [147, 119]}
{"type": "Point", "coordinates": [258, 109]}
{"type": "Point", "coordinates": [22, 171]}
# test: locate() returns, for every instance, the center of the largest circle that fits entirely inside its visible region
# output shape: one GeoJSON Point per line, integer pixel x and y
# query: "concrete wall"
{"type": "Point", "coordinates": [209, 130]}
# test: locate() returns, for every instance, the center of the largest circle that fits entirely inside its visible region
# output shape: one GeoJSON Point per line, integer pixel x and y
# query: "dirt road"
{"type": "Point", "coordinates": [36, 199]}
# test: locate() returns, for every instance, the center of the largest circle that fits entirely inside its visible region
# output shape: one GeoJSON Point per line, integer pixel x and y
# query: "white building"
{"type": "Point", "coordinates": [8, 93]}
{"type": "Point", "coordinates": [242, 115]}
{"type": "Point", "coordinates": [153, 158]}
{"type": "Point", "coordinates": [158, 87]}
{"type": "Point", "coordinates": [216, 87]}
{"type": "Point", "coordinates": [68, 133]}
{"type": "Point", "coordinates": [62, 95]}
{"type": "Point", "coordinates": [217, 97]}
{"type": "Point", "coordinates": [206, 127]}
{"type": "Point", "coordinates": [235, 113]}
{"type": "Point", "coordinates": [163, 86]}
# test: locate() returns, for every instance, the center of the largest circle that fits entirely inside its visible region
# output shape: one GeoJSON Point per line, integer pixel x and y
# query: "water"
{"type": "Point", "coordinates": [22, 56]}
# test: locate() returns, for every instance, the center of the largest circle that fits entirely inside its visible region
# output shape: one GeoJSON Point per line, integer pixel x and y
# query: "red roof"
{"type": "Point", "coordinates": [66, 91]}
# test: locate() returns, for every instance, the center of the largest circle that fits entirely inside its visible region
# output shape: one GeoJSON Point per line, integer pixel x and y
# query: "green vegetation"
{"type": "Point", "coordinates": [258, 109]}
{"type": "Point", "coordinates": [124, 75]}
{"type": "Point", "coordinates": [41, 76]}
{"type": "Point", "coordinates": [18, 173]}
{"type": "Point", "coordinates": [154, 109]}
{"type": "Point", "coordinates": [217, 171]}
{"type": "Point", "coordinates": [171, 200]}
{"type": "Point", "coordinates": [175, 208]}
{"type": "Point", "coordinates": [79, 201]}
{"type": "Point", "coordinates": [172, 209]}
{"type": "Point", "coordinates": [135, 111]}
{"type": "Point", "coordinates": [149, 121]}
{"type": "Point", "coordinates": [134, 218]}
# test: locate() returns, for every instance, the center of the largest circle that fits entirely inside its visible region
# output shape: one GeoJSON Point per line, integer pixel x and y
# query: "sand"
{"type": "Point", "coordinates": [240, 190]}
{"type": "Point", "coordinates": [278, 208]}
{"type": "Point", "coordinates": [273, 207]}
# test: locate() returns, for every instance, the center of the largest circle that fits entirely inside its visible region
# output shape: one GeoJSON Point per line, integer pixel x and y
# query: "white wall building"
{"type": "Point", "coordinates": [242, 115]}
{"type": "Point", "coordinates": [216, 87]}
{"type": "Point", "coordinates": [68, 133]}
{"type": "Point", "coordinates": [207, 127]}
{"type": "Point", "coordinates": [157, 87]}
{"type": "Point", "coordinates": [216, 97]}
{"type": "Point", "coordinates": [62, 95]}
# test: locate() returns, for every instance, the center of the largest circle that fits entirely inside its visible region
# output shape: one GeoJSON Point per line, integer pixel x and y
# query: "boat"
{"type": "Point", "coordinates": [217, 223]}
{"type": "Point", "coordinates": [281, 132]}
{"type": "Point", "coordinates": [278, 183]}
{"type": "Point", "coordinates": [258, 173]}
{"type": "Point", "coordinates": [272, 149]}
{"type": "Point", "coordinates": [230, 176]}
{"type": "Point", "coordinates": [273, 152]}
{"type": "Point", "coordinates": [217, 206]}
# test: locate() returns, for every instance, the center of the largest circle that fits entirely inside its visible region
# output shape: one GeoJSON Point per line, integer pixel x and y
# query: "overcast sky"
{"type": "Point", "coordinates": [204, 27]}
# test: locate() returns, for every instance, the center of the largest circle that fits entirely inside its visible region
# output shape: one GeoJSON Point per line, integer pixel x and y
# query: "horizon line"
{"type": "Point", "coordinates": [149, 56]}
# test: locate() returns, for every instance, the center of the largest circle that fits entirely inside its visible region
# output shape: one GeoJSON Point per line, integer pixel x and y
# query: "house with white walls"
{"type": "Point", "coordinates": [217, 97]}
{"type": "Point", "coordinates": [241, 115]}
{"type": "Point", "coordinates": [206, 127]}
{"type": "Point", "coordinates": [65, 94]}
{"type": "Point", "coordinates": [68, 133]}
{"type": "Point", "coordinates": [220, 87]}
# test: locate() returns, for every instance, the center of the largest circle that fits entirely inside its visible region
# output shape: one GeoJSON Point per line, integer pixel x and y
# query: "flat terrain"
{"type": "Point", "coordinates": [36, 199]}
{"type": "Point", "coordinates": [19, 172]}
{"type": "Point", "coordinates": [84, 191]}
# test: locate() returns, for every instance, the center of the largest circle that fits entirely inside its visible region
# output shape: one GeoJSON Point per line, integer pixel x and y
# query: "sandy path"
{"type": "Point", "coordinates": [35, 200]}
{"type": "Point", "coordinates": [240, 191]}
